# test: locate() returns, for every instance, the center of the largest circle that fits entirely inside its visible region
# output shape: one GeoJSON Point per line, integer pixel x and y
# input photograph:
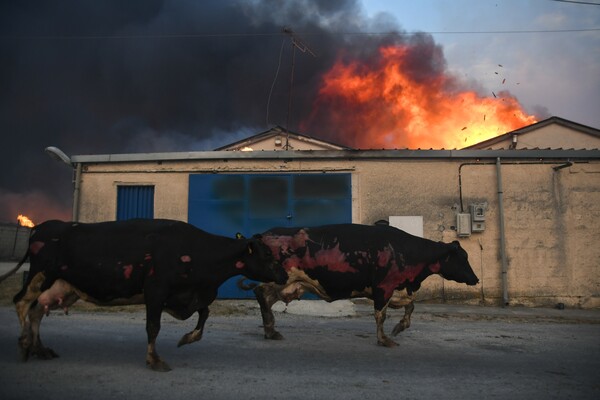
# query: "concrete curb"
{"type": "Point", "coordinates": [362, 308]}
{"type": "Point", "coordinates": [340, 308]}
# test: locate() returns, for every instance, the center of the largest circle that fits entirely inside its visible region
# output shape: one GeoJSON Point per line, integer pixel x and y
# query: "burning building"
{"type": "Point", "coordinates": [403, 97]}
{"type": "Point", "coordinates": [532, 198]}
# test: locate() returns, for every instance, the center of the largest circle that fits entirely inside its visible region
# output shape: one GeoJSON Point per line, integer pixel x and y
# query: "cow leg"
{"type": "Point", "coordinates": [399, 299]}
{"type": "Point", "coordinates": [23, 307]}
{"type": "Point", "coordinates": [25, 339]}
{"type": "Point", "coordinates": [381, 302]}
{"type": "Point", "coordinates": [266, 295]}
{"type": "Point", "coordinates": [382, 339]}
{"type": "Point", "coordinates": [153, 315]}
{"type": "Point", "coordinates": [36, 313]}
{"type": "Point", "coordinates": [196, 334]}
{"type": "Point", "coordinates": [405, 321]}
{"type": "Point", "coordinates": [61, 294]}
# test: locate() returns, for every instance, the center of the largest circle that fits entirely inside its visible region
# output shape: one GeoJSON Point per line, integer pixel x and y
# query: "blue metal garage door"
{"type": "Point", "coordinates": [253, 203]}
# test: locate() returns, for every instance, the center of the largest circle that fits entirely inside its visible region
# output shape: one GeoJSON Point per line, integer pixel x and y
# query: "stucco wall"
{"type": "Point", "coordinates": [553, 136]}
{"type": "Point", "coordinates": [13, 241]}
{"type": "Point", "coordinates": [552, 217]}
{"type": "Point", "coordinates": [552, 222]}
{"type": "Point", "coordinates": [557, 137]}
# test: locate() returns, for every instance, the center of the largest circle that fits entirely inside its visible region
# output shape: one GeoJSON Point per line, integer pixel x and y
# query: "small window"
{"type": "Point", "coordinates": [135, 202]}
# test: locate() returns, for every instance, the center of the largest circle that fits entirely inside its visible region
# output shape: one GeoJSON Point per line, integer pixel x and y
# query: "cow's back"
{"type": "Point", "coordinates": [338, 260]}
{"type": "Point", "coordinates": [351, 237]}
{"type": "Point", "coordinates": [108, 260]}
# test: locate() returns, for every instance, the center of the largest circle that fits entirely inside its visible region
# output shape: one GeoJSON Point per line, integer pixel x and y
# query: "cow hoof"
{"type": "Point", "coordinates": [387, 342]}
{"type": "Point", "coordinates": [24, 354]}
{"type": "Point", "coordinates": [159, 366]}
{"type": "Point", "coordinates": [44, 353]}
{"type": "Point", "coordinates": [274, 336]}
{"type": "Point", "coordinates": [400, 327]}
{"type": "Point", "coordinates": [188, 339]}
{"type": "Point", "coordinates": [24, 347]}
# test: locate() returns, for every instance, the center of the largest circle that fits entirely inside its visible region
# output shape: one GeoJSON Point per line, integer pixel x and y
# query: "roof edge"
{"type": "Point", "coordinates": [339, 154]}
{"type": "Point", "coordinates": [540, 124]}
{"type": "Point", "coordinates": [278, 130]}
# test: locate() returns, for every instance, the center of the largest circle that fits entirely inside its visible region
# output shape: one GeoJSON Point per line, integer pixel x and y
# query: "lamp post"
{"type": "Point", "coordinates": [57, 154]}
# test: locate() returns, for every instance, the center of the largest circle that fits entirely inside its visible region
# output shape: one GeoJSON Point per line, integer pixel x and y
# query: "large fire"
{"type": "Point", "coordinates": [25, 221]}
{"type": "Point", "coordinates": [403, 99]}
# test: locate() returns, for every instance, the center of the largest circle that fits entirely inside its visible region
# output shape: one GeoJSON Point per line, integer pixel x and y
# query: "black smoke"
{"type": "Point", "coordinates": [95, 77]}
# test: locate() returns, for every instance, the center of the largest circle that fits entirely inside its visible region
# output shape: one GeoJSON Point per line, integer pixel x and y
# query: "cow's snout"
{"type": "Point", "coordinates": [474, 281]}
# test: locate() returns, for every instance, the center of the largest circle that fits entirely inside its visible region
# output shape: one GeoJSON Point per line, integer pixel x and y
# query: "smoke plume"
{"type": "Point", "coordinates": [95, 77]}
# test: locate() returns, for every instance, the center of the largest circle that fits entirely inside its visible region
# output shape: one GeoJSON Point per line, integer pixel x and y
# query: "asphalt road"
{"type": "Point", "coordinates": [448, 353]}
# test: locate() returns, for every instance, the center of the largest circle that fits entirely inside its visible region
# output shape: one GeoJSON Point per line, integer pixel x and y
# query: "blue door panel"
{"type": "Point", "coordinates": [253, 203]}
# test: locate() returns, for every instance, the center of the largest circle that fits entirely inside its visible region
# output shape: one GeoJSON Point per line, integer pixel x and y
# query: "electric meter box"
{"type": "Point", "coordinates": [477, 216]}
{"type": "Point", "coordinates": [463, 224]}
{"type": "Point", "coordinates": [477, 212]}
{"type": "Point", "coordinates": [477, 226]}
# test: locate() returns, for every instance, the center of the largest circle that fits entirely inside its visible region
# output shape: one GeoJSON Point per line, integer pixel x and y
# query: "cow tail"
{"type": "Point", "coordinates": [15, 269]}
{"type": "Point", "coordinates": [243, 286]}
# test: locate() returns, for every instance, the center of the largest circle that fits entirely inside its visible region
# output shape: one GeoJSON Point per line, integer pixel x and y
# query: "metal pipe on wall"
{"type": "Point", "coordinates": [502, 233]}
{"type": "Point", "coordinates": [76, 190]}
{"type": "Point", "coordinates": [504, 268]}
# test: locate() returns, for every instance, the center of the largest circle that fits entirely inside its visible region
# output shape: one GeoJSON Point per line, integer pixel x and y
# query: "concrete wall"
{"type": "Point", "coordinates": [555, 136]}
{"type": "Point", "coordinates": [552, 220]}
{"type": "Point", "coordinates": [552, 136]}
{"type": "Point", "coordinates": [552, 217]}
{"type": "Point", "coordinates": [13, 241]}
{"type": "Point", "coordinates": [98, 198]}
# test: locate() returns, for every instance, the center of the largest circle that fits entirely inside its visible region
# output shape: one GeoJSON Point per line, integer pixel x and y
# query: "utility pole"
{"type": "Point", "coordinates": [299, 44]}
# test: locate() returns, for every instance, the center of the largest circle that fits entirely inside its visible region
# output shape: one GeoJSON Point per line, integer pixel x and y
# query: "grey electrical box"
{"type": "Point", "coordinates": [477, 212]}
{"type": "Point", "coordinates": [477, 226]}
{"type": "Point", "coordinates": [463, 224]}
{"type": "Point", "coordinates": [477, 216]}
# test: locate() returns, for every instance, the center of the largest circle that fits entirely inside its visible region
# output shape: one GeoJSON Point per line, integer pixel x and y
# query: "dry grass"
{"type": "Point", "coordinates": [9, 288]}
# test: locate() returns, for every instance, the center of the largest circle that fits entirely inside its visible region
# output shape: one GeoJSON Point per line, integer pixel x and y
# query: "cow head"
{"type": "Point", "coordinates": [259, 264]}
{"type": "Point", "coordinates": [455, 265]}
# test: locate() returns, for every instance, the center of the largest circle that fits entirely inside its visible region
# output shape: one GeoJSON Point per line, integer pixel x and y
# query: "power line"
{"type": "Point", "coordinates": [235, 35]}
{"type": "Point", "coordinates": [471, 32]}
{"type": "Point", "coordinates": [577, 2]}
{"type": "Point", "coordinates": [297, 43]}
{"type": "Point", "coordinates": [274, 80]}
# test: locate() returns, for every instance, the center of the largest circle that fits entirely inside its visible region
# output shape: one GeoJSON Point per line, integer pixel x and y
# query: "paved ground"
{"type": "Point", "coordinates": [450, 352]}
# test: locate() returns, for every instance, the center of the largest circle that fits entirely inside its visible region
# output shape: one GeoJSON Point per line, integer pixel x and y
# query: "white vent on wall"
{"type": "Point", "coordinates": [409, 224]}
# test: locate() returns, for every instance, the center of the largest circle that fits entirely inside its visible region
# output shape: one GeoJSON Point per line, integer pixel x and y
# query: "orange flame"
{"type": "Point", "coordinates": [392, 103]}
{"type": "Point", "coordinates": [25, 221]}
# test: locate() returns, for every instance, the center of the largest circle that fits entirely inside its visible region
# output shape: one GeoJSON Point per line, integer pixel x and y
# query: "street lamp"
{"type": "Point", "coordinates": [57, 154]}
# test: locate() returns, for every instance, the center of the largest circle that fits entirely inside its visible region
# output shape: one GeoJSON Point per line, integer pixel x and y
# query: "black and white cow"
{"type": "Point", "coordinates": [350, 260]}
{"type": "Point", "coordinates": [166, 265]}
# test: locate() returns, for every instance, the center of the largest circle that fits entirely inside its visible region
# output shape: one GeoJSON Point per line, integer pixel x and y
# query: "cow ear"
{"type": "Point", "coordinates": [455, 245]}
